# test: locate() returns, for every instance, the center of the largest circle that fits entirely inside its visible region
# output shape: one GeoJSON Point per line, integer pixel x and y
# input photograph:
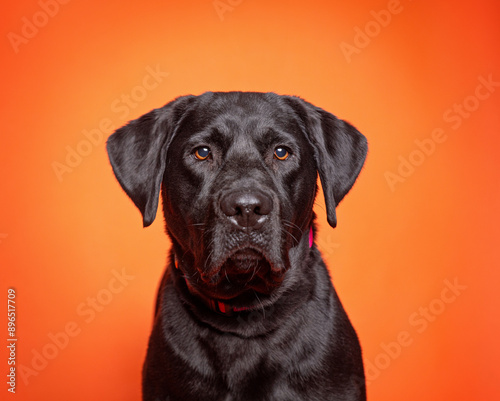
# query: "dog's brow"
{"type": "Point", "coordinates": [216, 135]}
{"type": "Point", "coordinates": [219, 137]}
{"type": "Point", "coordinates": [271, 136]}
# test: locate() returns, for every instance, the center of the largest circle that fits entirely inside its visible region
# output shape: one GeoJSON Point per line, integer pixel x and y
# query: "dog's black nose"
{"type": "Point", "coordinates": [247, 209]}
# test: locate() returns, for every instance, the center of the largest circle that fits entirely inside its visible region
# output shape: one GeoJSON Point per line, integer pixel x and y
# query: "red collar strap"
{"type": "Point", "coordinates": [214, 305]}
{"type": "Point", "coordinates": [221, 307]}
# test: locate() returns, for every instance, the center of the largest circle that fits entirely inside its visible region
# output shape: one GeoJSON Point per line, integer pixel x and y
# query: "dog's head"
{"type": "Point", "coordinates": [237, 172]}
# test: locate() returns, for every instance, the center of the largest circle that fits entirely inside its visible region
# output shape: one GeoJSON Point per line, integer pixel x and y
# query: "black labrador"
{"type": "Point", "coordinates": [246, 309]}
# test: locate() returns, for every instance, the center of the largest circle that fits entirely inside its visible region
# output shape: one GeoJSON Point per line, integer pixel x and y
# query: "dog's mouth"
{"type": "Point", "coordinates": [243, 275]}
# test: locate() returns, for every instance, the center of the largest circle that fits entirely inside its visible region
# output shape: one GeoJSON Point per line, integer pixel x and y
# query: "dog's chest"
{"type": "Point", "coordinates": [245, 369]}
{"type": "Point", "coordinates": [237, 359]}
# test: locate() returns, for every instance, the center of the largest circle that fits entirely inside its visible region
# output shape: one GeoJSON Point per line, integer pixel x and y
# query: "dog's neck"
{"type": "Point", "coordinates": [222, 307]}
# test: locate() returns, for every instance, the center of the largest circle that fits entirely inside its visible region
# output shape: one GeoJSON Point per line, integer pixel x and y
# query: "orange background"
{"type": "Point", "coordinates": [62, 240]}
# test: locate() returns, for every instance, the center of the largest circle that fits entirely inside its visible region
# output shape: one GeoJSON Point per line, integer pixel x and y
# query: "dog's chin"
{"type": "Point", "coordinates": [245, 276]}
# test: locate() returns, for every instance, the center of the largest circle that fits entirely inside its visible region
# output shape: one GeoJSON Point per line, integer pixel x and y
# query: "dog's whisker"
{"type": "Point", "coordinates": [292, 225]}
{"type": "Point", "coordinates": [207, 259]}
{"type": "Point", "coordinates": [321, 206]}
{"type": "Point", "coordinates": [291, 235]}
{"type": "Point", "coordinates": [256, 266]}
{"type": "Point", "coordinates": [261, 304]}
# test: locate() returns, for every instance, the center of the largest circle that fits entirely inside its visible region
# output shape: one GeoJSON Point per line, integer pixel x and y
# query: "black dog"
{"type": "Point", "coordinates": [246, 309]}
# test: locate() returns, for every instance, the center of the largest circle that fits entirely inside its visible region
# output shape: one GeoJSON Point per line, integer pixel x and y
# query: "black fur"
{"type": "Point", "coordinates": [239, 223]}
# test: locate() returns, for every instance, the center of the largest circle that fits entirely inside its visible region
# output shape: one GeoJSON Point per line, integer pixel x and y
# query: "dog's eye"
{"type": "Point", "coordinates": [281, 153]}
{"type": "Point", "coordinates": [202, 153]}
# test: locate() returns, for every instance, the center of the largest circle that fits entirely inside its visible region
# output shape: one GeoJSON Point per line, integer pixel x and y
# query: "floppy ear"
{"type": "Point", "coordinates": [339, 150]}
{"type": "Point", "coordinates": [138, 154]}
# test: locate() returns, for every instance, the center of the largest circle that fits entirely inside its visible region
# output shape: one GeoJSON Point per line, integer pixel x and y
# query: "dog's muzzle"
{"type": "Point", "coordinates": [225, 307]}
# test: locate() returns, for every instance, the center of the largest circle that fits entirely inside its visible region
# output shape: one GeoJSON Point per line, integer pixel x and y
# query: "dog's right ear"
{"type": "Point", "coordinates": [138, 154]}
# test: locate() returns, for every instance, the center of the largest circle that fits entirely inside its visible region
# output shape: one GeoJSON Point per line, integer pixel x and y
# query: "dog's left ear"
{"type": "Point", "coordinates": [138, 154]}
{"type": "Point", "coordinates": [339, 150]}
